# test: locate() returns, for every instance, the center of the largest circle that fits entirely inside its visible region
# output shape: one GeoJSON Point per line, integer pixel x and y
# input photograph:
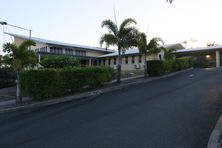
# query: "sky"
{"type": "Point", "coordinates": [79, 21]}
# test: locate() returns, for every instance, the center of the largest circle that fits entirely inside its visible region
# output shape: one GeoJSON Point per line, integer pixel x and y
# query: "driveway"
{"type": "Point", "coordinates": [175, 112]}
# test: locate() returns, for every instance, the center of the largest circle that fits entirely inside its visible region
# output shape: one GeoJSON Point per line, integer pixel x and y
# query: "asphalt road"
{"type": "Point", "coordinates": [175, 112]}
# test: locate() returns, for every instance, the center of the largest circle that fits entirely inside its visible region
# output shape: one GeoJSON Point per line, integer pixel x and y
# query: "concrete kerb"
{"type": "Point", "coordinates": [85, 94]}
{"type": "Point", "coordinates": [215, 135]}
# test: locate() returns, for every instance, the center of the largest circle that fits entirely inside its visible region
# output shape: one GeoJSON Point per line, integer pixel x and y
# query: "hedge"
{"type": "Point", "coordinates": [48, 83]}
{"type": "Point", "coordinates": [178, 64]}
{"type": "Point", "coordinates": [157, 67]}
{"type": "Point", "coordinates": [7, 77]}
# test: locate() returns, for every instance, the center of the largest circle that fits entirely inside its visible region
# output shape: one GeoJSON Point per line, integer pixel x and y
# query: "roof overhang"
{"type": "Point", "coordinates": [61, 44]}
{"type": "Point", "coordinates": [198, 51]}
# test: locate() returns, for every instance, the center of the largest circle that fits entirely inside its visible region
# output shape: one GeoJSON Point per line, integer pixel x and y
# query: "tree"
{"type": "Point", "coordinates": [153, 47]}
{"type": "Point", "coordinates": [170, 1]}
{"type": "Point", "coordinates": [20, 57]}
{"type": "Point", "coordinates": [1, 60]}
{"type": "Point", "coordinates": [142, 46]}
{"type": "Point", "coordinates": [61, 61]}
{"type": "Point", "coordinates": [168, 54]}
{"type": "Point", "coordinates": [212, 44]}
{"type": "Point", "coordinates": [122, 37]}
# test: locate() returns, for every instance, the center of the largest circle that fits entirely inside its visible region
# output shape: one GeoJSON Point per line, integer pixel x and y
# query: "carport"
{"type": "Point", "coordinates": [209, 53]}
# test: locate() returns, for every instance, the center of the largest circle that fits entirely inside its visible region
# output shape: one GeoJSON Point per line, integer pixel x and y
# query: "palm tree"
{"type": "Point", "coordinates": [168, 54]}
{"type": "Point", "coordinates": [20, 57]}
{"type": "Point", "coordinates": [122, 37]}
{"type": "Point", "coordinates": [1, 60]}
{"type": "Point", "coordinates": [153, 47]}
{"type": "Point", "coordinates": [142, 46]}
{"type": "Point", "coordinates": [170, 1]}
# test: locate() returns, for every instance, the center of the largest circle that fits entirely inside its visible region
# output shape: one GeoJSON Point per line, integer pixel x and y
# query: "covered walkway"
{"type": "Point", "coordinates": [212, 54]}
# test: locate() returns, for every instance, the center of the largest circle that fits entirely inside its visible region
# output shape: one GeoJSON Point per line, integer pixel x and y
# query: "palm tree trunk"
{"type": "Point", "coordinates": [119, 66]}
{"type": "Point", "coordinates": [145, 67]}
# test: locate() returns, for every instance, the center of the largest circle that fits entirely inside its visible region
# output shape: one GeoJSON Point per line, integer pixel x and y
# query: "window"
{"type": "Point", "coordinates": [104, 61]}
{"type": "Point", "coordinates": [80, 52]}
{"type": "Point", "coordinates": [37, 50]}
{"type": "Point", "coordinates": [126, 60]}
{"type": "Point", "coordinates": [42, 49]}
{"type": "Point", "coordinates": [100, 63]}
{"type": "Point", "coordinates": [140, 59]}
{"type": "Point", "coordinates": [109, 61]}
{"type": "Point", "coordinates": [133, 59]}
{"type": "Point", "coordinates": [114, 61]}
{"type": "Point", "coordinates": [69, 51]}
{"type": "Point", "coordinates": [56, 50]}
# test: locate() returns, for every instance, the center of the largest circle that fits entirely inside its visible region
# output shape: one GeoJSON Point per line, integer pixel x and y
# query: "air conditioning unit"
{"type": "Point", "coordinates": [114, 67]}
{"type": "Point", "coordinates": [137, 66]}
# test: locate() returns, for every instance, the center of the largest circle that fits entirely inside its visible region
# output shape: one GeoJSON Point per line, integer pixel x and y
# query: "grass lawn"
{"type": "Point", "coordinates": [132, 73]}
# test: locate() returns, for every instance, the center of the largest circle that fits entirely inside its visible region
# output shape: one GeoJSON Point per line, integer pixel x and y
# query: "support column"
{"type": "Point", "coordinates": [39, 57]}
{"type": "Point", "coordinates": [217, 58]}
{"type": "Point", "coordinates": [90, 62]}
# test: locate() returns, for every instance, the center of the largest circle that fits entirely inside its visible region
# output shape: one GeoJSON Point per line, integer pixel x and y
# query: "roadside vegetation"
{"type": "Point", "coordinates": [122, 37]}
{"type": "Point", "coordinates": [19, 58]}
{"type": "Point", "coordinates": [158, 67]}
{"type": "Point", "coordinates": [48, 83]}
{"type": "Point", "coordinates": [153, 47]}
{"type": "Point", "coordinates": [61, 61]}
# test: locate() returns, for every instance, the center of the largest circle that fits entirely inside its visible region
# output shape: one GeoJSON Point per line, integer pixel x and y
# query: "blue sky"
{"type": "Point", "coordinates": [79, 21]}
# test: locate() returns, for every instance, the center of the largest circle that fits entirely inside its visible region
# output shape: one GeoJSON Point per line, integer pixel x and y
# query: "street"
{"type": "Point", "coordinates": [175, 112]}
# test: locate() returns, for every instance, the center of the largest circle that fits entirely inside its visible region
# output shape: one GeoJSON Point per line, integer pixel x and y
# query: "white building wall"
{"type": "Point", "coordinates": [18, 41]}
{"type": "Point", "coordinates": [132, 66]}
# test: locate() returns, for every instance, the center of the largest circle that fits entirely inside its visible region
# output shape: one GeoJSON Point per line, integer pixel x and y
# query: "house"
{"type": "Point", "coordinates": [91, 56]}
{"type": "Point", "coordinates": [132, 59]}
{"type": "Point", "coordinates": [86, 55]}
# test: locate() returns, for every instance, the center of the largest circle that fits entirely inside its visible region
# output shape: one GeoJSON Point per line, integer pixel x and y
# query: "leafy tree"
{"type": "Point", "coordinates": [61, 61]}
{"type": "Point", "coordinates": [168, 54]}
{"type": "Point", "coordinates": [170, 1]}
{"type": "Point", "coordinates": [122, 37]}
{"type": "Point", "coordinates": [212, 44]}
{"type": "Point", "coordinates": [142, 46]}
{"type": "Point", "coordinates": [1, 60]}
{"type": "Point", "coordinates": [153, 47]}
{"type": "Point", "coordinates": [19, 58]}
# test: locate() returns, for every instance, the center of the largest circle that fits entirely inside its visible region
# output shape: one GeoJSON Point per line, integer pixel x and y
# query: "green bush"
{"type": "Point", "coordinates": [178, 64]}
{"type": "Point", "coordinates": [155, 67]}
{"type": "Point", "coordinates": [7, 77]}
{"type": "Point", "coordinates": [61, 61]}
{"type": "Point", "coordinates": [49, 83]}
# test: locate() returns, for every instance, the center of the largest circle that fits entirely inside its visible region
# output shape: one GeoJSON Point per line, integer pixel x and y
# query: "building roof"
{"type": "Point", "coordinates": [50, 42]}
{"type": "Point", "coordinates": [136, 51]}
{"type": "Point", "coordinates": [210, 48]}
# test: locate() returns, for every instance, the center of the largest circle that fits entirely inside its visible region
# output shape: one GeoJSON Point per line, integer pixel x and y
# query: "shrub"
{"type": "Point", "coordinates": [48, 83]}
{"type": "Point", "coordinates": [178, 64]}
{"type": "Point", "coordinates": [155, 67]}
{"type": "Point", "coordinates": [7, 77]}
{"type": "Point", "coordinates": [168, 66]}
{"type": "Point", "coordinates": [61, 61]}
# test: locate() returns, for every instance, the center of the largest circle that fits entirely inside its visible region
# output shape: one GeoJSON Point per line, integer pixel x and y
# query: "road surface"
{"type": "Point", "coordinates": [176, 112]}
